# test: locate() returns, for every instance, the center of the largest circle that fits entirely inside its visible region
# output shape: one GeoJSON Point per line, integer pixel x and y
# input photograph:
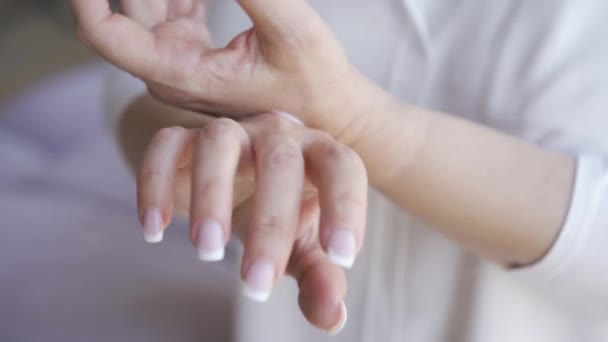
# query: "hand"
{"type": "Point", "coordinates": [289, 61]}
{"type": "Point", "coordinates": [302, 196]}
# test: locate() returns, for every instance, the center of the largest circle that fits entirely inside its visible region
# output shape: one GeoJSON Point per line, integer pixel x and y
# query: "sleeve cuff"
{"type": "Point", "coordinates": [577, 229]}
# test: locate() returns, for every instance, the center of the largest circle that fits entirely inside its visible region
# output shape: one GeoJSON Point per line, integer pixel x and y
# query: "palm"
{"type": "Point", "coordinates": [182, 45]}
{"type": "Point", "coordinates": [178, 27]}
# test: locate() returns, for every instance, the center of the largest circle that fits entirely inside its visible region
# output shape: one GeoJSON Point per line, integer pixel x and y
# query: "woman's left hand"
{"type": "Point", "coordinates": [295, 197]}
{"type": "Point", "coordinates": [289, 60]}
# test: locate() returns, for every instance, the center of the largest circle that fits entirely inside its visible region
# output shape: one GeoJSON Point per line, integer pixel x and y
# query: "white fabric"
{"type": "Point", "coordinates": [574, 271]}
{"type": "Point", "coordinates": [534, 69]}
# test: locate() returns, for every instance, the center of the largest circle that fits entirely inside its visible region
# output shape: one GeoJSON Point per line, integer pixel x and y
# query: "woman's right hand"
{"type": "Point", "coordinates": [301, 199]}
{"type": "Point", "coordinates": [290, 60]}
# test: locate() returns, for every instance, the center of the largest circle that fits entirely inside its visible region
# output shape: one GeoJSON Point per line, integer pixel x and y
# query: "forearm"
{"type": "Point", "coordinates": [500, 196]}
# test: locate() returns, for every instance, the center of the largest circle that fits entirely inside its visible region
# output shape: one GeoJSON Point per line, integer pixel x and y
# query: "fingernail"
{"type": "Point", "coordinates": [210, 242]}
{"type": "Point", "coordinates": [259, 281]}
{"type": "Point", "coordinates": [342, 248]}
{"type": "Point", "coordinates": [341, 323]}
{"type": "Point", "coordinates": [153, 226]}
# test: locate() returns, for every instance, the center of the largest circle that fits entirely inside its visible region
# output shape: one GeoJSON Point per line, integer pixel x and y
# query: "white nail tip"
{"type": "Point", "coordinates": [206, 256]}
{"type": "Point", "coordinates": [342, 323]}
{"type": "Point", "coordinates": [154, 238]}
{"type": "Point", "coordinates": [340, 260]}
{"type": "Point", "coordinates": [255, 295]}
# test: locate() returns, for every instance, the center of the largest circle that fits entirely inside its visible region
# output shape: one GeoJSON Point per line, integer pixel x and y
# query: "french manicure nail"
{"type": "Point", "coordinates": [259, 281]}
{"type": "Point", "coordinates": [153, 226]}
{"type": "Point", "coordinates": [341, 323]}
{"type": "Point", "coordinates": [342, 248]}
{"type": "Point", "coordinates": [210, 242]}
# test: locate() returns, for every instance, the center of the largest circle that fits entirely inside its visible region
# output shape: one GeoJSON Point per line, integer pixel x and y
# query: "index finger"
{"type": "Point", "coordinates": [115, 37]}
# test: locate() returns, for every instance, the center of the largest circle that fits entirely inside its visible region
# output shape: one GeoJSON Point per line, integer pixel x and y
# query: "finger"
{"type": "Point", "coordinates": [90, 12]}
{"type": "Point", "coordinates": [322, 284]}
{"type": "Point", "coordinates": [281, 21]}
{"type": "Point", "coordinates": [156, 181]}
{"type": "Point", "coordinates": [153, 12]}
{"type": "Point", "coordinates": [269, 241]}
{"type": "Point", "coordinates": [117, 38]}
{"type": "Point", "coordinates": [148, 13]}
{"type": "Point", "coordinates": [187, 8]}
{"type": "Point", "coordinates": [216, 161]}
{"type": "Point", "coordinates": [321, 298]}
{"type": "Point", "coordinates": [341, 179]}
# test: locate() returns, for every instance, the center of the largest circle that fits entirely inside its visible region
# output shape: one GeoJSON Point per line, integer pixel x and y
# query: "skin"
{"type": "Point", "coordinates": [473, 184]}
{"type": "Point", "coordinates": [244, 175]}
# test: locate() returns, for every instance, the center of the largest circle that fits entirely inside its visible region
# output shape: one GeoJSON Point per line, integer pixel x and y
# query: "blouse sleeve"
{"type": "Point", "coordinates": [550, 86]}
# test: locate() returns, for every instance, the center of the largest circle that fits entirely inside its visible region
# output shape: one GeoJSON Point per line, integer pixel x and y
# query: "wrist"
{"type": "Point", "coordinates": [385, 131]}
{"type": "Point", "coordinates": [366, 109]}
{"type": "Point", "coordinates": [345, 108]}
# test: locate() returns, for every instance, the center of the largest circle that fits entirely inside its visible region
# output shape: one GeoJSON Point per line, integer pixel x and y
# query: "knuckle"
{"type": "Point", "coordinates": [273, 226]}
{"type": "Point", "coordinates": [283, 155]}
{"type": "Point", "coordinates": [151, 172]}
{"type": "Point", "coordinates": [203, 189]}
{"type": "Point", "coordinates": [166, 134]}
{"type": "Point", "coordinates": [220, 129]}
{"type": "Point", "coordinates": [340, 153]}
{"type": "Point", "coordinates": [274, 121]}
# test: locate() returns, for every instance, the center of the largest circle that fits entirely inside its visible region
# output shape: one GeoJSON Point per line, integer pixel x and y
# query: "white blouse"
{"type": "Point", "coordinates": [534, 69]}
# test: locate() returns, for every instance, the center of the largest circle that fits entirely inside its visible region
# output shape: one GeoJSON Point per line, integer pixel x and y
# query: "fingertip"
{"type": "Point", "coordinates": [152, 223]}
{"type": "Point", "coordinates": [322, 290]}
{"type": "Point", "coordinates": [341, 261]}
{"type": "Point", "coordinates": [260, 296]}
{"type": "Point", "coordinates": [343, 318]}
{"type": "Point", "coordinates": [210, 242]}
{"type": "Point", "coordinates": [213, 256]}
{"type": "Point", "coordinates": [154, 238]}
{"type": "Point", "coordinates": [258, 281]}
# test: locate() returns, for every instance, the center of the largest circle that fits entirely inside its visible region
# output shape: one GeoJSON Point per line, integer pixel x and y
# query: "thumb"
{"type": "Point", "coordinates": [280, 22]}
{"type": "Point", "coordinates": [322, 284]}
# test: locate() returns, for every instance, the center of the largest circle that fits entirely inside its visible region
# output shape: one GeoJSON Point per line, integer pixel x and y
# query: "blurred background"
{"type": "Point", "coordinates": [71, 251]}
{"type": "Point", "coordinates": [36, 41]}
